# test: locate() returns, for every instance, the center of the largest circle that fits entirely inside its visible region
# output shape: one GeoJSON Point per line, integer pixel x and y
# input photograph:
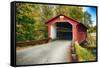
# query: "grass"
{"type": "Point", "coordinates": [83, 54]}
{"type": "Point", "coordinates": [91, 40]}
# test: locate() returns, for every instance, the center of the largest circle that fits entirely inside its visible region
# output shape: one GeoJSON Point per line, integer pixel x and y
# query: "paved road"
{"type": "Point", "coordinates": [53, 52]}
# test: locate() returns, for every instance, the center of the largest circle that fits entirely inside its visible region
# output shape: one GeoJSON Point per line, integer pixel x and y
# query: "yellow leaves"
{"type": "Point", "coordinates": [91, 40]}
{"type": "Point", "coordinates": [19, 26]}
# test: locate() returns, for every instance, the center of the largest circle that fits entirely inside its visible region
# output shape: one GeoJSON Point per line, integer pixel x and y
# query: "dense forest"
{"type": "Point", "coordinates": [31, 18]}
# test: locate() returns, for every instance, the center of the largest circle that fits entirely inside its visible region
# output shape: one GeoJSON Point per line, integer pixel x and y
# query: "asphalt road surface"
{"type": "Point", "coordinates": [52, 52]}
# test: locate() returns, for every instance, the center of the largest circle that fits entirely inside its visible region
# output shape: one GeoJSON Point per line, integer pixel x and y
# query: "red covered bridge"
{"type": "Point", "coordinates": [64, 28]}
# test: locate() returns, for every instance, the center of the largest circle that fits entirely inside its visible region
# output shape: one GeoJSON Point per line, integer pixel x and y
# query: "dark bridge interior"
{"type": "Point", "coordinates": [64, 31]}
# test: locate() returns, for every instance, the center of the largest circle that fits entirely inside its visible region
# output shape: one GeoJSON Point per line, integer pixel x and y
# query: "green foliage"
{"type": "Point", "coordinates": [62, 10]}
{"type": "Point", "coordinates": [31, 18]}
{"type": "Point", "coordinates": [76, 13]}
{"type": "Point", "coordinates": [83, 54]}
{"type": "Point", "coordinates": [24, 22]}
{"type": "Point", "coordinates": [46, 13]}
{"type": "Point", "coordinates": [92, 29]}
{"type": "Point", "coordinates": [87, 19]}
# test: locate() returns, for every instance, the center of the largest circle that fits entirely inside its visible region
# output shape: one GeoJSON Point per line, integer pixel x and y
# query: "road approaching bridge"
{"type": "Point", "coordinates": [52, 52]}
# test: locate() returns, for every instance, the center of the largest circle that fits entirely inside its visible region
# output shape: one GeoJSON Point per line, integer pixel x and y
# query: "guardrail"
{"type": "Point", "coordinates": [31, 42]}
{"type": "Point", "coordinates": [73, 53]}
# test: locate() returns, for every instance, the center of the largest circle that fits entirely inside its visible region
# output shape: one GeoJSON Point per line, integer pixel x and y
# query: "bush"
{"type": "Point", "coordinates": [83, 54]}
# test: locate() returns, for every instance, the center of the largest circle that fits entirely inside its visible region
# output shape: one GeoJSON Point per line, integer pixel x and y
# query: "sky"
{"type": "Point", "coordinates": [92, 11]}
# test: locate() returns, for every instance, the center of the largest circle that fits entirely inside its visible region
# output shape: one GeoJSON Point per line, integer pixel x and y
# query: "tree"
{"type": "Point", "coordinates": [87, 19]}
{"type": "Point", "coordinates": [25, 20]}
{"type": "Point", "coordinates": [46, 13]}
{"type": "Point", "coordinates": [31, 18]}
{"type": "Point", "coordinates": [76, 13]}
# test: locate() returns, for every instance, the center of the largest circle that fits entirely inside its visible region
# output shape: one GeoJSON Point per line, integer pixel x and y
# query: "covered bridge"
{"type": "Point", "coordinates": [62, 27]}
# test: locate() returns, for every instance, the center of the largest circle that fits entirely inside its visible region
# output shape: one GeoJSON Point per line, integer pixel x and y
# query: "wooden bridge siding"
{"type": "Point", "coordinates": [81, 35]}
{"type": "Point", "coordinates": [74, 30]}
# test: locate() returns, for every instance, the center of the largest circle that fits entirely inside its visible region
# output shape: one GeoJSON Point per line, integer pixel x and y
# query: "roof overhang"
{"type": "Point", "coordinates": [61, 16]}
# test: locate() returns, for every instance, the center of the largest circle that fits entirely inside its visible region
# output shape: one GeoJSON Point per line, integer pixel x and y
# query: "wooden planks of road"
{"type": "Point", "coordinates": [52, 52]}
